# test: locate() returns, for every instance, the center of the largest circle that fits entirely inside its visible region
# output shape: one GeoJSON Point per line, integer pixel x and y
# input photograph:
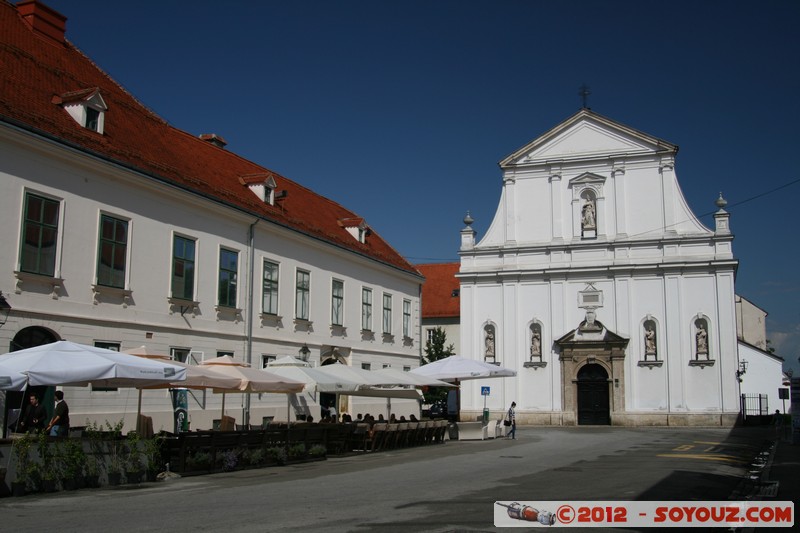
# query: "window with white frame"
{"type": "Point", "coordinates": [269, 296]}
{"type": "Point", "coordinates": [406, 318]}
{"type": "Point", "coordinates": [302, 294]}
{"type": "Point", "coordinates": [183, 259]}
{"type": "Point", "coordinates": [228, 272]}
{"type": "Point", "coordinates": [112, 254]}
{"type": "Point", "coordinates": [387, 313]}
{"type": "Point", "coordinates": [337, 302]}
{"type": "Point", "coordinates": [39, 235]}
{"type": "Point", "coordinates": [366, 309]}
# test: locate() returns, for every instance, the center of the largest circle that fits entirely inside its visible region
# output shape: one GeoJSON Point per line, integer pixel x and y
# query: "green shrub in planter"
{"type": "Point", "coordinates": [318, 450]}
{"type": "Point", "coordinates": [277, 455]}
{"type": "Point", "coordinates": [297, 451]}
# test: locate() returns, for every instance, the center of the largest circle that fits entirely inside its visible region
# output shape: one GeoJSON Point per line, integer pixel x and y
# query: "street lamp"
{"type": "Point", "coordinates": [304, 353]}
{"type": "Point", "coordinates": [742, 370]}
{"type": "Point", "coordinates": [5, 309]}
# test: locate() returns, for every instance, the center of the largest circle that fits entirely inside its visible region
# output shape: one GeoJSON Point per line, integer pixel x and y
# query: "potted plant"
{"type": "Point", "coordinates": [230, 460]}
{"type": "Point", "coordinates": [133, 458]}
{"type": "Point", "coordinates": [277, 455]}
{"type": "Point", "coordinates": [47, 462]}
{"type": "Point", "coordinates": [297, 451]}
{"type": "Point", "coordinates": [199, 461]}
{"type": "Point", "coordinates": [73, 460]}
{"type": "Point", "coordinates": [151, 451]}
{"type": "Point", "coordinates": [318, 451]}
{"type": "Point", "coordinates": [114, 446]}
{"type": "Point", "coordinates": [93, 465]}
{"type": "Point", "coordinates": [25, 475]}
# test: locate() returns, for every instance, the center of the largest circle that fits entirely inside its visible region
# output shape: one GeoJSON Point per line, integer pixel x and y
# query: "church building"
{"type": "Point", "coordinates": [600, 287]}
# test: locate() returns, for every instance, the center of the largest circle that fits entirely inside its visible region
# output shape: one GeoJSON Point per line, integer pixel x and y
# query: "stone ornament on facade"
{"type": "Point", "coordinates": [535, 348]}
{"type": "Point", "coordinates": [588, 215]}
{"type": "Point", "coordinates": [702, 352]}
{"type": "Point", "coordinates": [650, 359]}
{"type": "Point", "coordinates": [489, 353]}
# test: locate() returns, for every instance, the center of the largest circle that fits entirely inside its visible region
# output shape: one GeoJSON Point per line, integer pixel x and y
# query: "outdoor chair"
{"type": "Point", "coordinates": [378, 436]}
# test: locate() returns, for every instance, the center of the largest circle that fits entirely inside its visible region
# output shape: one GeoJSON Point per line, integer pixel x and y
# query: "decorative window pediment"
{"type": "Point", "coordinates": [86, 107]}
{"type": "Point", "coordinates": [587, 178]}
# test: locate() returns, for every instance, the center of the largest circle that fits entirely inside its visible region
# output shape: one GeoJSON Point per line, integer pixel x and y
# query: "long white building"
{"type": "Point", "coordinates": [121, 231]}
{"type": "Point", "coordinates": [597, 283]}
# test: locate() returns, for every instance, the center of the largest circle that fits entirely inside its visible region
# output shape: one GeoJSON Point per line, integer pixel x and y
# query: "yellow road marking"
{"type": "Point", "coordinates": [727, 458]}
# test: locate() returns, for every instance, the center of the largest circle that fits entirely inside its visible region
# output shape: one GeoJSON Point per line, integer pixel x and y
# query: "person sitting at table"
{"type": "Point", "coordinates": [392, 419]}
{"type": "Point", "coordinates": [413, 418]}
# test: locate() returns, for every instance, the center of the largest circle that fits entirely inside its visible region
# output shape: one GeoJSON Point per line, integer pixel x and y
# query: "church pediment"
{"type": "Point", "coordinates": [586, 135]}
{"type": "Point", "coordinates": [591, 334]}
{"type": "Point", "coordinates": [587, 178]}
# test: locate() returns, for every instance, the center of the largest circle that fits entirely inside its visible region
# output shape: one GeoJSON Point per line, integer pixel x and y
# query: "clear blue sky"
{"type": "Point", "coordinates": [400, 110]}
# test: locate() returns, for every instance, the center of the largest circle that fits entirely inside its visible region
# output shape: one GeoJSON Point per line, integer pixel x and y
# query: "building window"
{"type": "Point", "coordinates": [269, 301]}
{"type": "Point", "coordinates": [366, 366]}
{"type": "Point", "coordinates": [429, 335]}
{"type": "Point", "coordinates": [92, 119]}
{"type": "Point", "coordinates": [183, 268]}
{"type": "Point", "coordinates": [113, 346]}
{"type": "Point", "coordinates": [40, 235]}
{"type": "Point", "coordinates": [302, 294]}
{"type": "Point", "coordinates": [228, 269]}
{"type": "Point", "coordinates": [366, 309]}
{"type": "Point", "coordinates": [112, 256]}
{"type": "Point", "coordinates": [267, 359]}
{"type": "Point", "coordinates": [180, 354]}
{"type": "Point", "coordinates": [337, 302]}
{"type": "Point", "coordinates": [224, 353]}
{"type": "Point", "coordinates": [387, 314]}
{"type": "Point", "coordinates": [406, 318]}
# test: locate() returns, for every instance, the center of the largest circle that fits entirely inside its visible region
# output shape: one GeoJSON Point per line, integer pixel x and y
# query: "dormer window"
{"type": "Point", "coordinates": [86, 107]}
{"type": "Point", "coordinates": [356, 227]}
{"type": "Point", "coordinates": [262, 185]}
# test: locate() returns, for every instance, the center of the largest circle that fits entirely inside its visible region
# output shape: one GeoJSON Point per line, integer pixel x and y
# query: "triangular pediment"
{"type": "Point", "coordinates": [586, 135]}
{"type": "Point", "coordinates": [587, 178]}
{"type": "Point", "coordinates": [592, 334]}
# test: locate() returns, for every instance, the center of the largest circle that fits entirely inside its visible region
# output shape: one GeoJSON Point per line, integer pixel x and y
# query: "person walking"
{"type": "Point", "coordinates": [59, 424]}
{"type": "Point", "coordinates": [511, 416]}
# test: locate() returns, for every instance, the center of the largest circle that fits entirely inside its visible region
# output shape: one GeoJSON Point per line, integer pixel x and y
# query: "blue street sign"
{"type": "Point", "coordinates": [484, 391]}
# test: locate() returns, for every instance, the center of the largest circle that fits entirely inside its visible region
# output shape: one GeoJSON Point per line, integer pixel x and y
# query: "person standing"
{"type": "Point", "coordinates": [33, 421]}
{"type": "Point", "coordinates": [512, 417]}
{"type": "Point", "coordinates": [59, 424]}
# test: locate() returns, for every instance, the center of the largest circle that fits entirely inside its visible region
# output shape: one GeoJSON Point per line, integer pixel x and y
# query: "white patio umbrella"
{"type": "Point", "coordinates": [316, 380]}
{"type": "Point", "coordinates": [411, 379]}
{"type": "Point", "coordinates": [71, 364]}
{"type": "Point", "coordinates": [11, 380]}
{"type": "Point", "coordinates": [287, 360]}
{"type": "Point", "coordinates": [251, 379]}
{"type": "Point", "coordinates": [197, 377]}
{"type": "Point", "coordinates": [367, 378]}
{"type": "Point", "coordinates": [457, 368]}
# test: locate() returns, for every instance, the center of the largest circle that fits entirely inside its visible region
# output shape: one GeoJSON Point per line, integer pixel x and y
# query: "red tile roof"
{"type": "Point", "coordinates": [36, 67]}
{"type": "Point", "coordinates": [437, 291]}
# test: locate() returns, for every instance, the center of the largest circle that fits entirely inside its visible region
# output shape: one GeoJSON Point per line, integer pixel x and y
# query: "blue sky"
{"type": "Point", "coordinates": [401, 110]}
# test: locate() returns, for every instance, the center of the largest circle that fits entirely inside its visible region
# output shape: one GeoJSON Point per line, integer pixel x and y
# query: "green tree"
{"type": "Point", "coordinates": [436, 348]}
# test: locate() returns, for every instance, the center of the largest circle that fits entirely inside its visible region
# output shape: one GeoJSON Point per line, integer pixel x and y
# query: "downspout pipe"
{"type": "Point", "coordinates": [248, 347]}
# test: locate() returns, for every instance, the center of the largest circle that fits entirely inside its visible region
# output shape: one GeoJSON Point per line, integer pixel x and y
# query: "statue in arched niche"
{"type": "Point", "coordinates": [589, 214]}
{"type": "Point", "coordinates": [701, 339]}
{"type": "Point", "coordinates": [536, 343]}
{"type": "Point", "coordinates": [650, 339]}
{"type": "Point", "coordinates": [489, 348]}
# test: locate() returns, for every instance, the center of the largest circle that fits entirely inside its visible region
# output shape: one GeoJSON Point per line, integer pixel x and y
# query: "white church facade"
{"type": "Point", "coordinates": [600, 287]}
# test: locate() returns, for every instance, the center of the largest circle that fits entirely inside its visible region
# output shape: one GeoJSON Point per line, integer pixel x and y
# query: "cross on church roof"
{"type": "Point", "coordinates": [584, 93]}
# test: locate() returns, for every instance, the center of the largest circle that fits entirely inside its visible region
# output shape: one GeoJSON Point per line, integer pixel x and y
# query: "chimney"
{"type": "Point", "coordinates": [214, 139]}
{"type": "Point", "coordinates": [43, 20]}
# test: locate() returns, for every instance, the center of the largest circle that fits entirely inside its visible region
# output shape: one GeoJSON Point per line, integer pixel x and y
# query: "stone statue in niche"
{"type": "Point", "coordinates": [701, 339]}
{"type": "Point", "coordinates": [588, 215]}
{"type": "Point", "coordinates": [489, 342]}
{"type": "Point", "coordinates": [536, 344]}
{"type": "Point", "coordinates": [649, 340]}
